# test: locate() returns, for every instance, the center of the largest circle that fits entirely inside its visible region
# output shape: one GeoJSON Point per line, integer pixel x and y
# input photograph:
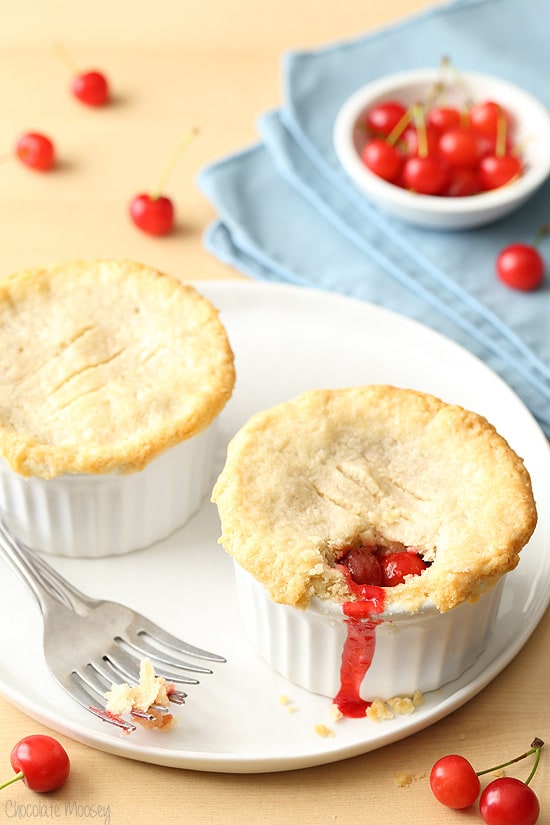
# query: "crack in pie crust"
{"type": "Point", "coordinates": [374, 465]}
{"type": "Point", "coordinates": [104, 365]}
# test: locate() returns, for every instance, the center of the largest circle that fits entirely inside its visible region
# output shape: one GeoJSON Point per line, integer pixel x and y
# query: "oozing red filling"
{"type": "Point", "coordinates": [372, 565]}
{"type": "Point", "coordinates": [367, 570]}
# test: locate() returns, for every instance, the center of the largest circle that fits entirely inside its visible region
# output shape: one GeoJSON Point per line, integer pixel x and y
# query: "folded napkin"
{"type": "Point", "coordinates": [288, 212]}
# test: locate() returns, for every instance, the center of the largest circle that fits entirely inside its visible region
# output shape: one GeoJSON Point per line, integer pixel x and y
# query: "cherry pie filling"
{"type": "Point", "coordinates": [368, 570]}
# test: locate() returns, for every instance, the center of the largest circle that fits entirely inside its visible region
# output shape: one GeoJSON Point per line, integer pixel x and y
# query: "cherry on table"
{"type": "Point", "coordinates": [36, 151]}
{"type": "Point", "coordinates": [41, 762]}
{"type": "Point", "coordinates": [454, 782]}
{"type": "Point", "coordinates": [153, 212]}
{"type": "Point", "coordinates": [91, 87]}
{"type": "Point", "coordinates": [504, 801]}
{"type": "Point", "coordinates": [509, 801]}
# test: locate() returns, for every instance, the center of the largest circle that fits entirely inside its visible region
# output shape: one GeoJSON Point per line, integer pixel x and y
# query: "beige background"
{"type": "Point", "coordinates": [176, 64]}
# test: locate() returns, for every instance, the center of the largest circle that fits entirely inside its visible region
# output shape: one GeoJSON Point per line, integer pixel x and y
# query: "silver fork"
{"type": "Point", "coordinates": [89, 644]}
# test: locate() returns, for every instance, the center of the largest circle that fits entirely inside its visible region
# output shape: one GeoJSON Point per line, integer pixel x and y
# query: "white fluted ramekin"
{"type": "Point", "coordinates": [107, 515]}
{"type": "Point", "coordinates": [413, 652]}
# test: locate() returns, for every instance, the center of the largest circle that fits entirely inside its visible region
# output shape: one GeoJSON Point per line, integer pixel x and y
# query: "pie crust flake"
{"type": "Point", "coordinates": [104, 365]}
{"type": "Point", "coordinates": [373, 465]}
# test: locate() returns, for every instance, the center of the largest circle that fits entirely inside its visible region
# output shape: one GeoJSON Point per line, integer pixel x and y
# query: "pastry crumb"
{"type": "Point", "coordinates": [323, 730]}
{"type": "Point", "coordinates": [418, 698]}
{"type": "Point", "coordinates": [150, 690]}
{"type": "Point", "coordinates": [381, 709]}
{"type": "Point", "coordinates": [403, 780]}
{"type": "Point", "coordinates": [401, 705]}
{"type": "Point", "coordinates": [335, 713]}
{"type": "Point", "coordinates": [287, 704]}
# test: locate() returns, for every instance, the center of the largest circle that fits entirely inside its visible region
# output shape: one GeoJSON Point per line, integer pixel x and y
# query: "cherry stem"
{"type": "Point", "coordinates": [65, 57]}
{"type": "Point", "coordinates": [536, 747]}
{"type": "Point", "coordinates": [535, 763]}
{"type": "Point", "coordinates": [421, 130]}
{"type": "Point", "coordinates": [542, 232]}
{"type": "Point", "coordinates": [500, 145]}
{"type": "Point", "coordinates": [187, 138]}
{"type": "Point", "coordinates": [447, 66]}
{"type": "Point", "coordinates": [436, 94]}
{"type": "Point", "coordinates": [13, 779]}
{"type": "Point", "coordinates": [400, 126]}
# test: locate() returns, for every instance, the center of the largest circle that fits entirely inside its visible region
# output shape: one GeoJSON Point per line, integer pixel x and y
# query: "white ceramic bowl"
{"type": "Point", "coordinates": [413, 652]}
{"type": "Point", "coordinates": [532, 131]}
{"type": "Point", "coordinates": [109, 515]}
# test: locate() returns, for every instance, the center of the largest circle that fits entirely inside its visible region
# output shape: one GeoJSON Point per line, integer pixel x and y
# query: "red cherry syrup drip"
{"type": "Point", "coordinates": [368, 572]}
{"type": "Point", "coordinates": [359, 646]}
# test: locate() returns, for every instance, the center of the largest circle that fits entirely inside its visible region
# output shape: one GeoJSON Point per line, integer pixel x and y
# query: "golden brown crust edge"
{"type": "Point", "coordinates": [375, 464]}
{"type": "Point", "coordinates": [132, 301]}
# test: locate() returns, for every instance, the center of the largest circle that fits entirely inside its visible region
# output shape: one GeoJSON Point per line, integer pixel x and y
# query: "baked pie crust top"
{"type": "Point", "coordinates": [373, 465]}
{"type": "Point", "coordinates": [104, 364]}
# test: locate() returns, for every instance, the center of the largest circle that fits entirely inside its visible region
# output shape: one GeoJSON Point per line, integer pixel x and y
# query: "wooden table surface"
{"type": "Point", "coordinates": [175, 65]}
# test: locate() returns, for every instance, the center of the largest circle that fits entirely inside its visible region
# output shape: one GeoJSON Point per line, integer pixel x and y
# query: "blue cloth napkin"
{"type": "Point", "coordinates": [288, 212]}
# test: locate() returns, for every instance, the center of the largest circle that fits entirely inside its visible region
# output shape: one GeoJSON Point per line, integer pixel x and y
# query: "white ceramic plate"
{"type": "Point", "coordinates": [286, 340]}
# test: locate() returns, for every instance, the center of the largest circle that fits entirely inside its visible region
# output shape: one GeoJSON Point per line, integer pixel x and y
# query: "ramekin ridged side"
{"type": "Point", "coordinates": [413, 652]}
{"type": "Point", "coordinates": [107, 515]}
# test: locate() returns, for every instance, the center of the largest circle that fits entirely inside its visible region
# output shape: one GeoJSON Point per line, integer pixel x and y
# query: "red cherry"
{"type": "Point", "coordinates": [495, 171]}
{"type": "Point", "coordinates": [395, 566]}
{"type": "Point", "coordinates": [520, 266]}
{"type": "Point", "coordinates": [382, 158]}
{"type": "Point", "coordinates": [41, 762]}
{"type": "Point", "coordinates": [36, 151]}
{"type": "Point", "coordinates": [505, 801]}
{"type": "Point", "coordinates": [426, 176]}
{"type": "Point", "coordinates": [489, 117]}
{"type": "Point", "coordinates": [454, 782]}
{"type": "Point", "coordinates": [462, 182]}
{"type": "Point", "coordinates": [443, 118]}
{"type": "Point", "coordinates": [409, 140]}
{"type": "Point", "coordinates": [153, 215]}
{"type": "Point", "coordinates": [92, 88]}
{"type": "Point", "coordinates": [384, 117]}
{"type": "Point", "coordinates": [509, 801]}
{"type": "Point", "coordinates": [459, 147]}
{"type": "Point", "coordinates": [488, 146]}
{"type": "Point", "coordinates": [363, 565]}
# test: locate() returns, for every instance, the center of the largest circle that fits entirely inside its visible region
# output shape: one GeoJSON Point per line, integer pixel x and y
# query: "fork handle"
{"type": "Point", "coordinates": [61, 588]}
{"type": "Point", "coordinates": [17, 558]}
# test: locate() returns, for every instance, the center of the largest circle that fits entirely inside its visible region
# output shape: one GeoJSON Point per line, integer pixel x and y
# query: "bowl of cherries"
{"type": "Point", "coordinates": [443, 149]}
